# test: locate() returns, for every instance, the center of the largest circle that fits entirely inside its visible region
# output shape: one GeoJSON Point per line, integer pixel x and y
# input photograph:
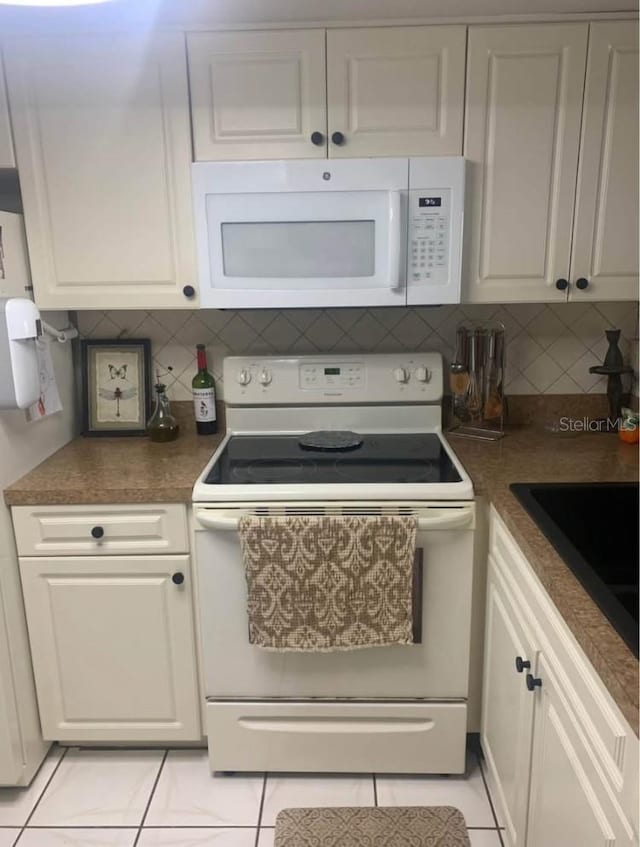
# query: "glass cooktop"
{"type": "Point", "coordinates": [379, 459]}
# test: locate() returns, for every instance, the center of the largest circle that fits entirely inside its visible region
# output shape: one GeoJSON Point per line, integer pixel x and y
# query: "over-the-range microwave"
{"type": "Point", "coordinates": [350, 232]}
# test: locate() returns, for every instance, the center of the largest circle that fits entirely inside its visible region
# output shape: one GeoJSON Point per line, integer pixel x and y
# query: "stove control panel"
{"type": "Point", "coordinates": [333, 379]}
{"type": "Point", "coordinates": [344, 375]}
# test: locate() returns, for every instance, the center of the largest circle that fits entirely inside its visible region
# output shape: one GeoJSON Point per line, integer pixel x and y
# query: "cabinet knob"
{"type": "Point", "coordinates": [562, 284]}
{"type": "Point", "coordinates": [521, 664]}
{"type": "Point", "coordinates": [317, 138]}
{"type": "Point", "coordinates": [177, 578]}
{"type": "Point", "coordinates": [189, 291]}
{"type": "Point", "coordinates": [97, 532]}
{"type": "Point", "coordinates": [582, 283]}
{"type": "Point", "coordinates": [338, 138]}
{"type": "Point", "coordinates": [533, 682]}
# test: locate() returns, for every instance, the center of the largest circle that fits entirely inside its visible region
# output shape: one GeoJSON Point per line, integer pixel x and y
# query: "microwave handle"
{"type": "Point", "coordinates": [395, 240]}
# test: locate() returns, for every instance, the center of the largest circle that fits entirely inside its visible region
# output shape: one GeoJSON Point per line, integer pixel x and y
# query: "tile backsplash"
{"type": "Point", "coordinates": [549, 347]}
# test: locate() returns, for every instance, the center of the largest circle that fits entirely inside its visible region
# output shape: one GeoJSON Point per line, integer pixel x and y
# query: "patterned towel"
{"type": "Point", "coordinates": [322, 583]}
{"type": "Point", "coordinates": [432, 826]}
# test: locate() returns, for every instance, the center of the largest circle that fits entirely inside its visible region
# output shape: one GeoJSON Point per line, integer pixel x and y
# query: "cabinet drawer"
{"type": "Point", "coordinates": [337, 737]}
{"type": "Point", "coordinates": [100, 530]}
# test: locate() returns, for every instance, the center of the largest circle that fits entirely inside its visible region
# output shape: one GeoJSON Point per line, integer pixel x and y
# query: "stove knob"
{"type": "Point", "coordinates": [244, 377]}
{"type": "Point", "coordinates": [265, 377]}
{"type": "Point", "coordinates": [401, 375]}
{"type": "Point", "coordinates": [422, 374]}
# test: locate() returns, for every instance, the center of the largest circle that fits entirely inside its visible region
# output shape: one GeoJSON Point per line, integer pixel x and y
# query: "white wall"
{"type": "Point", "coordinates": [22, 447]}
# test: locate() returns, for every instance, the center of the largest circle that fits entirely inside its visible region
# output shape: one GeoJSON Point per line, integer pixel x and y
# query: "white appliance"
{"type": "Point", "coordinates": [348, 232]}
{"type": "Point", "coordinates": [392, 709]}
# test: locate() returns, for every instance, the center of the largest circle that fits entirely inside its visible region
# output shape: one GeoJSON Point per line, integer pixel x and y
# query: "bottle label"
{"type": "Point", "coordinates": [204, 403]}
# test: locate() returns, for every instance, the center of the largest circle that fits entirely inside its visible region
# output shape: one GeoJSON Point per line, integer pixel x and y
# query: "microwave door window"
{"type": "Point", "coordinates": [299, 250]}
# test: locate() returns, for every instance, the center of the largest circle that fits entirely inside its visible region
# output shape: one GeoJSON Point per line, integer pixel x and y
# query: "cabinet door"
{"type": "Point", "coordinates": [605, 242]}
{"type": "Point", "coordinates": [11, 753]}
{"type": "Point", "coordinates": [101, 125]}
{"type": "Point", "coordinates": [7, 158]}
{"type": "Point", "coordinates": [396, 91]}
{"type": "Point", "coordinates": [507, 707]}
{"type": "Point", "coordinates": [258, 95]}
{"type": "Point", "coordinates": [524, 102]}
{"type": "Point", "coordinates": [570, 805]}
{"type": "Point", "coordinates": [113, 649]}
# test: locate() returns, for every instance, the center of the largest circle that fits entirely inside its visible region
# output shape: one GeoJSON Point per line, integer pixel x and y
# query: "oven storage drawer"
{"type": "Point", "coordinates": [337, 736]}
{"type": "Point", "coordinates": [101, 530]}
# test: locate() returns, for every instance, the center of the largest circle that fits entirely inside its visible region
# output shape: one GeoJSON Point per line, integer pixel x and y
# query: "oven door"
{"type": "Point", "coordinates": [286, 234]}
{"type": "Point", "coordinates": [436, 667]}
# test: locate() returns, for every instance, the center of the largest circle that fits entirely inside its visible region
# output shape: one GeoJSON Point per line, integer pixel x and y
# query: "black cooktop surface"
{"type": "Point", "coordinates": [379, 459]}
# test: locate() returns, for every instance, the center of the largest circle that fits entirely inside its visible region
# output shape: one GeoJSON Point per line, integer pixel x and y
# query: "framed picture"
{"type": "Point", "coordinates": [116, 386]}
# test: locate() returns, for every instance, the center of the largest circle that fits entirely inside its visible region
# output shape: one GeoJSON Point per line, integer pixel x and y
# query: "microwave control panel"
{"type": "Point", "coordinates": [429, 235]}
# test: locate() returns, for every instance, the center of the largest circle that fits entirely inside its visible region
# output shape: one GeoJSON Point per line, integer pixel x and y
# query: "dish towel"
{"type": "Point", "coordinates": [322, 583]}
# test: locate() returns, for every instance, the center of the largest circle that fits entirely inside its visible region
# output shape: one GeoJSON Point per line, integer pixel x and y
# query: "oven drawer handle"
{"type": "Point", "coordinates": [453, 520]}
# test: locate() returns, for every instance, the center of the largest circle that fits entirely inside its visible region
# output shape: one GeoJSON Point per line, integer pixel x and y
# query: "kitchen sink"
{"type": "Point", "coordinates": [594, 527]}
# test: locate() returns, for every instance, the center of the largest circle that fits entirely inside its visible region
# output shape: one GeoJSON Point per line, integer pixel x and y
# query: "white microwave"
{"type": "Point", "coordinates": [349, 232]}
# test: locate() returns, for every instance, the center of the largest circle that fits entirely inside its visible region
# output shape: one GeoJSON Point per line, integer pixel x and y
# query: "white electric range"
{"type": "Point", "coordinates": [389, 709]}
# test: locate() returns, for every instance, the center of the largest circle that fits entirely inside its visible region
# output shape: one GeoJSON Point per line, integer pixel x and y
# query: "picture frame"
{"type": "Point", "coordinates": [116, 386]}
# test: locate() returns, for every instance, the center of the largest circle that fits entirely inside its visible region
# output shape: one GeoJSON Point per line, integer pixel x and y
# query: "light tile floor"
{"type": "Point", "coordinates": [157, 798]}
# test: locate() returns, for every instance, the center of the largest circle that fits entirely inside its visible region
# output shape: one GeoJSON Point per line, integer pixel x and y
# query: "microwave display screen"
{"type": "Point", "coordinates": [429, 201]}
{"type": "Point", "coordinates": [332, 371]}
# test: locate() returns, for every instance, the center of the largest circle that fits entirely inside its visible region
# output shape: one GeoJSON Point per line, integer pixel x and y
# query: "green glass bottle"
{"type": "Point", "coordinates": [204, 396]}
{"type": "Point", "coordinates": [162, 426]}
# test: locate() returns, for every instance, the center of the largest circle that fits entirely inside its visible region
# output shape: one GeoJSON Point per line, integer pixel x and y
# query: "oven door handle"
{"type": "Point", "coordinates": [452, 520]}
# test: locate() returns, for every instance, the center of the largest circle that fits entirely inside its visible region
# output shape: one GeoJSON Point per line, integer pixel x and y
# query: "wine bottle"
{"type": "Point", "coordinates": [204, 396]}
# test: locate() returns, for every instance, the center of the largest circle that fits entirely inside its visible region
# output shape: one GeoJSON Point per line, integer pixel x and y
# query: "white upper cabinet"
{"type": "Point", "coordinates": [258, 95]}
{"type": "Point", "coordinates": [396, 91]}
{"type": "Point", "coordinates": [7, 157]}
{"type": "Point", "coordinates": [522, 136]}
{"type": "Point", "coordinates": [102, 136]}
{"type": "Point", "coordinates": [605, 242]}
{"type": "Point", "coordinates": [388, 91]}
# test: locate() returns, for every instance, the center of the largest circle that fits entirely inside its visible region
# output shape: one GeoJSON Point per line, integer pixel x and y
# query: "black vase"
{"type": "Point", "coordinates": [613, 359]}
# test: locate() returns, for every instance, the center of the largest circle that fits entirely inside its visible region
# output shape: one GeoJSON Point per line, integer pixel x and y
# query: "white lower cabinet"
{"type": "Point", "coordinates": [112, 640]}
{"type": "Point", "coordinates": [569, 804]}
{"type": "Point", "coordinates": [507, 712]}
{"type": "Point", "coordinates": [562, 761]}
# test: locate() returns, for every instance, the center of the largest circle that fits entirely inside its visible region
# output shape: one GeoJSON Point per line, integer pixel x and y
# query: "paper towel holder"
{"type": "Point", "coordinates": [61, 335]}
{"type": "Point", "coordinates": [20, 328]}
